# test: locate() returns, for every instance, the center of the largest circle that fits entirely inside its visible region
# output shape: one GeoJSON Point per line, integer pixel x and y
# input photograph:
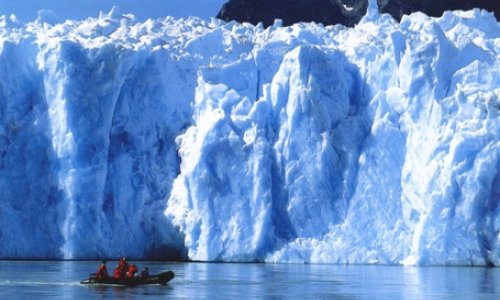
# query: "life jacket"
{"type": "Point", "coordinates": [123, 267]}
{"type": "Point", "coordinates": [132, 270]}
{"type": "Point", "coordinates": [117, 273]}
{"type": "Point", "coordinates": [122, 263]}
{"type": "Point", "coordinates": [102, 272]}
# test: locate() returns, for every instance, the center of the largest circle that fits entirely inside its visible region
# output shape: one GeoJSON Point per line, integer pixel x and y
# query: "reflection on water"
{"type": "Point", "coordinates": [60, 280]}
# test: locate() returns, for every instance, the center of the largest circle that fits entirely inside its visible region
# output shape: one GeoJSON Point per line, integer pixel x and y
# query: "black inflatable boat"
{"type": "Point", "coordinates": [162, 278]}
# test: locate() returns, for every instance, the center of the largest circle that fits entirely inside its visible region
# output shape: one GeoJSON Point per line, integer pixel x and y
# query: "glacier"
{"type": "Point", "coordinates": [212, 141]}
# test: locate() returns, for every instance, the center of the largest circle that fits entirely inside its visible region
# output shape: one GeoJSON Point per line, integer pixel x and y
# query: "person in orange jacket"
{"type": "Point", "coordinates": [132, 270]}
{"type": "Point", "coordinates": [102, 271]}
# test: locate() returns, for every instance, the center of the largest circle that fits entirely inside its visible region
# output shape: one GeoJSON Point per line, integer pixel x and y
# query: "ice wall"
{"type": "Point", "coordinates": [89, 116]}
{"type": "Point", "coordinates": [227, 142]}
{"type": "Point", "coordinates": [370, 145]}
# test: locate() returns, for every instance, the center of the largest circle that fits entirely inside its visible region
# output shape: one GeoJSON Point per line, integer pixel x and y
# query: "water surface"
{"type": "Point", "coordinates": [60, 280]}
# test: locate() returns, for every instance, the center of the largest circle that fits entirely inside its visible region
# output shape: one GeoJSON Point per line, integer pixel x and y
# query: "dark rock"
{"type": "Point", "coordinates": [345, 12]}
{"type": "Point", "coordinates": [290, 11]}
{"type": "Point", "coordinates": [435, 8]}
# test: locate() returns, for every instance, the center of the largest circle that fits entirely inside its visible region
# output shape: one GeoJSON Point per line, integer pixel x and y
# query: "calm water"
{"type": "Point", "coordinates": [60, 280]}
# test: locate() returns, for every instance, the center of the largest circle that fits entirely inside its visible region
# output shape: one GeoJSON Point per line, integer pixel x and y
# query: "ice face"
{"type": "Point", "coordinates": [226, 142]}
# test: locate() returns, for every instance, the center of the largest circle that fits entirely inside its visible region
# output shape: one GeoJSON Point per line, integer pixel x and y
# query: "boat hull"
{"type": "Point", "coordinates": [162, 278]}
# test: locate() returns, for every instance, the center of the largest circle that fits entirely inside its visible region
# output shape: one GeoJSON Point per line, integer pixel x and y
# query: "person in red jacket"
{"type": "Point", "coordinates": [132, 270]}
{"type": "Point", "coordinates": [117, 273]}
{"type": "Point", "coordinates": [122, 263]}
{"type": "Point", "coordinates": [102, 271]}
{"type": "Point", "coordinates": [123, 266]}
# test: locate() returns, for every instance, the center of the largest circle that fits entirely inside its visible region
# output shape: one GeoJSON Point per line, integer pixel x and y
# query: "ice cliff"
{"type": "Point", "coordinates": [215, 141]}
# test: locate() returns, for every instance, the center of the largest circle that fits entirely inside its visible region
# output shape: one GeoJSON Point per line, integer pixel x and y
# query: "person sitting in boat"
{"type": "Point", "coordinates": [102, 271]}
{"type": "Point", "coordinates": [117, 272]}
{"type": "Point", "coordinates": [145, 273]}
{"type": "Point", "coordinates": [132, 270]}
{"type": "Point", "coordinates": [122, 263]}
{"type": "Point", "coordinates": [123, 266]}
